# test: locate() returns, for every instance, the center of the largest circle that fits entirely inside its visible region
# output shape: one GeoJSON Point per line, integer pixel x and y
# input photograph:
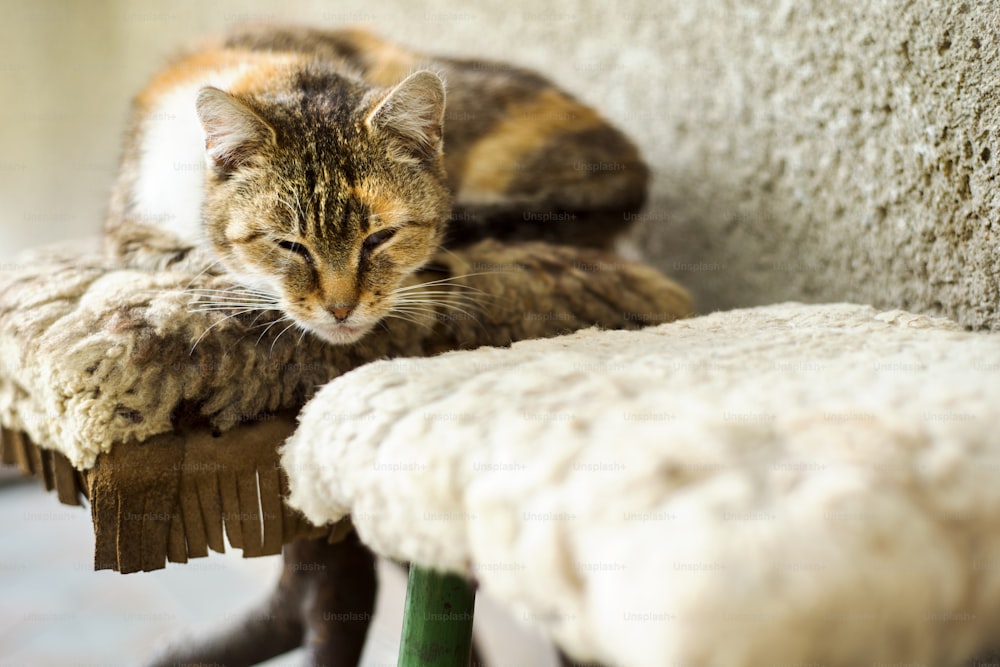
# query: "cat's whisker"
{"type": "Point", "coordinates": [232, 297]}
{"type": "Point", "coordinates": [295, 211]}
{"type": "Point", "coordinates": [436, 302]}
{"type": "Point", "coordinates": [416, 323]}
{"type": "Point", "coordinates": [284, 318]}
{"type": "Point", "coordinates": [268, 323]}
{"type": "Point", "coordinates": [438, 305]}
{"type": "Point", "coordinates": [430, 313]}
{"type": "Point", "coordinates": [298, 202]}
{"type": "Point", "coordinates": [204, 271]}
{"type": "Point", "coordinates": [238, 298]}
{"type": "Point", "coordinates": [448, 251]}
{"type": "Point", "coordinates": [253, 324]}
{"type": "Point", "coordinates": [446, 295]}
{"type": "Point", "coordinates": [431, 306]}
{"type": "Point", "coordinates": [295, 206]}
{"type": "Point", "coordinates": [220, 299]}
{"type": "Point", "coordinates": [451, 292]}
{"type": "Point", "coordinates": [231, 315]}
{"type": "Point", "coordinates": [273, 342]}
{"type": "Point", "coordinates": [469, 296]}
{"type": "Point", "coordinates": [225, 297]}
{"type": "Point", "coordinates": [244, 308]}
{"type": "Point", "coordinates": [469, 315]}
{"type": "Point", "coordinates": [442, 295]}
{"type": "Point", "coordinates": [231, 305]}
{"type": "Point", "coordinates": [425, 314]}
{"type": "Point", "coordinates": [448, 281]}
{"type": "Point", "coordinates": [263, 305]}
{"type": "Point", "coordinates": [215, 324]}
{"type": "Point", "coordinates": [225, 300]}
{"type": "Point", "coordinates": [234, 289]}
{"type": "Point", "coordinates": [405, 318]}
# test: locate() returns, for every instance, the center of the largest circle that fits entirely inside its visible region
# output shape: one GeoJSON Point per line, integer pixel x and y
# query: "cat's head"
{"type": "Point", "coordinates": [326, 194]}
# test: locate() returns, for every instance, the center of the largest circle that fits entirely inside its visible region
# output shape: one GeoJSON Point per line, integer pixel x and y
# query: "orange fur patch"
{"type": "Point", "coordinates": [387, 63]}
{"type": "Point", "coordinates": [494, 160]}
{"type": "Point", "coordinates": [388, 209]}
{"type": "Point", "coordinates": [261, 68]}
{"type": "Point", "coordinates": [265, 71]}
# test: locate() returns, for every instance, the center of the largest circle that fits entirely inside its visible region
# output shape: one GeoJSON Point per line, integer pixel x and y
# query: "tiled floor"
{"type": "Point", "coordinates": [55, 611]}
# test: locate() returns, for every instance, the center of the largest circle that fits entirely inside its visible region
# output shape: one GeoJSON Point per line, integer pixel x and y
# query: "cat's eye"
{"type": "Point", "coordinates": [297, 248]}
{"type": "Point", "coordinates": [378, 238]}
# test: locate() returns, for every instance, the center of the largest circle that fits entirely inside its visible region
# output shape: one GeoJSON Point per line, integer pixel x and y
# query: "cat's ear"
{"type": "Point", "coordinates": [413, 112]}
{"type": "Point", "coordinates": [233, 131]}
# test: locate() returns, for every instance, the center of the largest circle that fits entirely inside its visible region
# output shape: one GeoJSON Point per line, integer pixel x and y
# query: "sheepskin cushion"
{"type": "Point", "coordinates": [124, 385]}
{"type": "Point", "coordinates": [92, 354]}
{"type": "Point", "coordinates": [785, 485]}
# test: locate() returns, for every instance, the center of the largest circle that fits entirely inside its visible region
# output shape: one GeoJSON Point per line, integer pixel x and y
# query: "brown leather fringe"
{"type": "Point", "coordinates": [52, 468]}
{"type": "Point", "coordinates": [178, 495]}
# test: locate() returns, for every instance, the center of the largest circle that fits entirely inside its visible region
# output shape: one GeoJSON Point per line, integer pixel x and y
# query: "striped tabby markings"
{"type": "Point", "coordinates": [493, 162]}
{"type": "Point", "coordinates": [384, 211]}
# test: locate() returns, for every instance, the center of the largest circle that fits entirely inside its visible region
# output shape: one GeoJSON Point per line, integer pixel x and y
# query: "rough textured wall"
{"type": "Point", "coordinates": [824, 150]}
{"type": "Point", "coordinates": [814, 150]}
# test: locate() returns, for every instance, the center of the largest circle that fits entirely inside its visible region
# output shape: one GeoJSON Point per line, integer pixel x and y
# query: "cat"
{"type": "Point", "coordinates": [525, 160]}
{"type": "Point", "coordinates": [320, 168]}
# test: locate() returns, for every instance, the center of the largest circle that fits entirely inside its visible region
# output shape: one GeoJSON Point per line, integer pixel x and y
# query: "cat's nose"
{"type": "Point", "coordinates": [341, 311]}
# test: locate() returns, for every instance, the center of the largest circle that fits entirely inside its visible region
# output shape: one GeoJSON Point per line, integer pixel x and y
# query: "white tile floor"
{"type": "Point", "coordinates": [55, 611]}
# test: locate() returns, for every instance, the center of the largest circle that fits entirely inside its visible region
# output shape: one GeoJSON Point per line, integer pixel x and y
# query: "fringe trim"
{"type": "Point", "coordinates": [176, 496]}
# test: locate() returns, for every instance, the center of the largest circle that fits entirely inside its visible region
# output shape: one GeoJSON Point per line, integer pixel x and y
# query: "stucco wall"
{"type": "Point", "coordinates": [813, 150]}
{"type": "Point", "coordinates": [825, 150]}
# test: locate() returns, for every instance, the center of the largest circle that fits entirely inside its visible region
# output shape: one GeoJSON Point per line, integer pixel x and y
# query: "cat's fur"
{"type": "Point", "coordinates": [525, 160]}
{"type": "Point", "coordinates": [320, 168]}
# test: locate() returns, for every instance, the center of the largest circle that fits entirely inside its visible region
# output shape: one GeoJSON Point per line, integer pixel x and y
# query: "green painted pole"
{"type": "Point", "coordinates": [437, 620]}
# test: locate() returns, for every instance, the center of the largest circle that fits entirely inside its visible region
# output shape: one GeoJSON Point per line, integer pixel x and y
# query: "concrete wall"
{"type": "Point", "coordinates": [824, 150]}
{"type": "Point", "coordinates": [813, 150]}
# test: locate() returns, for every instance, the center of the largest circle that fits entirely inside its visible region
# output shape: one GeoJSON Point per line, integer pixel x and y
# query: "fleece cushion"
{"type": "Point", "coordinates": [120, 385]}
{"type": "Point", "coordinates": [93, 354]}
{"type": "Point", "coordinates": [785, 485]}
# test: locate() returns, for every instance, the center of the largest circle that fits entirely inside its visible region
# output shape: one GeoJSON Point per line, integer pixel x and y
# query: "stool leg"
{"type": "Point", "coordinates": [337, 608]}
{"type": "Point", "coordinates": [437, 620]}
{"type": "Point", "coordinates": [323, 602]}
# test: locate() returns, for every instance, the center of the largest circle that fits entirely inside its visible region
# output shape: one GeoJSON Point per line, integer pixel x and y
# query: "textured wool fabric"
{"type": "Point", "coordinates": [174, 416]}
{"type": "Point", "coordinates": [93, 355]}
{"type": "Point", "coordinates": [785, 485]}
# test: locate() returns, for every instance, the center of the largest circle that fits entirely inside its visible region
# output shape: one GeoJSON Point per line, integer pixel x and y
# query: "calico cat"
{"type": "Point", "coordinates": [319, 168]}
{"type": "Point", "coordinates": [524, 159]}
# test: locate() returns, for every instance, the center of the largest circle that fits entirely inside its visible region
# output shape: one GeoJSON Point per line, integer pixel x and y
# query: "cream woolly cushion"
{"type": "Point", "coordinates": [785, 485]}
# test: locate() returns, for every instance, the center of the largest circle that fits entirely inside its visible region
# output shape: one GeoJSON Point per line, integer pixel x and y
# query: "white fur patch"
{"type": "Point", "coordinates": [170, 189]}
